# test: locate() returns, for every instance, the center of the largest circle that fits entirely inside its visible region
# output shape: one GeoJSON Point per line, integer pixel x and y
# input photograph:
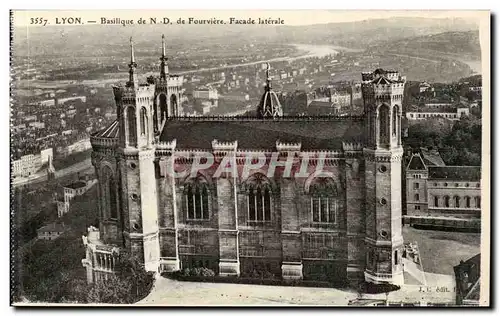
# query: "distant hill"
{"type": "Point", "coordinates": [357, 34]}
{"type": "Point", "coordinates": [458, 44]}
{"type": "Point", "coordinates": [366, 33]}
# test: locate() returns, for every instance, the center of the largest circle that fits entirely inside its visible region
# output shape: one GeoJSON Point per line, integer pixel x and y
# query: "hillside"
{"type": "Point", "coordinates": [452, 44]}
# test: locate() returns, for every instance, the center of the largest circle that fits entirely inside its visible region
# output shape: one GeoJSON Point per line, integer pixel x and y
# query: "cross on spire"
{"type": "Point", "coordinates": [132, 57]}
{"type": "Point", "coordinates": [132, 66]}
{"type": "Point", "coordinates": [268, 79]}
{"type": "Point", "coordinates": [163, 59]}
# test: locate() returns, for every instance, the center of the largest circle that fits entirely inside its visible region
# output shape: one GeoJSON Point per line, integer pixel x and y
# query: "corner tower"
{"type": "Point", "coordinates": [135, 167]}
{"type": "Point", "coordinates": [168, 93]}
{"type": "Point", "coordinates": [383, 95]}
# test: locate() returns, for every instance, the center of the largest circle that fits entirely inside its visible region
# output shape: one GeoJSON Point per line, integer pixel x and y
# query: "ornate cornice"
{"type": "Point", "coordinates": [383, 156]}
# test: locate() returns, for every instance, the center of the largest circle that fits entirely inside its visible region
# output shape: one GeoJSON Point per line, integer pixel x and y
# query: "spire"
{"type": "Point", "coordinates": [132, 57]}
{"type": "Point", "coordinates": [269, 105]}
{"type": "Point", "coordinates": [163, 59]}
{"type": "Point", "coordinates": [132, 66]}
{"type": "Point", "coordinates": [163, 45]}
{"type": "Point", "coordinates": [268, 80]}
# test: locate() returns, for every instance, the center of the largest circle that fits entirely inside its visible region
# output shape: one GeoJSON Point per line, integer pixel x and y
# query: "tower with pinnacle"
{"type": "Point", "coordinates": [135, 224]}
{"type": "Point", "coordinates": [383, 96]}
{"type": "Point", "coordinates": [168, 93]}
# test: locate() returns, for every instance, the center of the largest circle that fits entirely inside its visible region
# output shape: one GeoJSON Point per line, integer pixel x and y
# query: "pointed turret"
{"type": "Point", "coordinates": [163, 59]}
{"type": "Point", "coordinates": [268, 79]}
{"type": "Point", "coordinates": [269, 105]}
{"type": "Point", "coordinates": [132, 81]}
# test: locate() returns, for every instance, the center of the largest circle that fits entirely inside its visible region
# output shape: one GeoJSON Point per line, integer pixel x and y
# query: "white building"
{"type": "Point", "coordinates": [45, 154]}
{"type": "Point", "coordinates": [26, 166]}
{"type": "Point", "coordinates": [70, 191]}
{"type": "Point", "coordinates": [51, 231]}
{"type": "Point", "coordinates": [450, 114]}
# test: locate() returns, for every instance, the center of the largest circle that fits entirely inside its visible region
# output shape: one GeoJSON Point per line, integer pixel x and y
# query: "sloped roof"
{"type": "Point", "coordinates": [460, 173]}
{"type": "Point", "coordinates": [382, 80]}
{"type": "Point", "coordinates": [416, 163]}
{"type": "Point", "coordinates": [468, 273]}
{"type": "Point", "coordinates": [52, 227]}
{"type": "Point", "coordinates": [432, 157]}
{"type": "Point", "coordinates": [314, 133]}
{"type": "Point", "coordinates": [109, 132]}
{"type": "Point", "coordinates": [76, 185]}
{"type": "Point", "coordinates": [269, 103]}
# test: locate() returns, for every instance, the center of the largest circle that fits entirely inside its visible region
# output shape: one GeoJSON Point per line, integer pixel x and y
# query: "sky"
{"type": "Point", "coordinates": [291, 17]}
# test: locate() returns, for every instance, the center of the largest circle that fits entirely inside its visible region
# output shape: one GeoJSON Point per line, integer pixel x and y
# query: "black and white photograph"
{"type": "Point", "coordinates": [177, 158]}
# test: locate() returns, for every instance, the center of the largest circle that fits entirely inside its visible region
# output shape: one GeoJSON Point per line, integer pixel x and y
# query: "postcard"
{"type": "Point", "coordinates": [250, 158]}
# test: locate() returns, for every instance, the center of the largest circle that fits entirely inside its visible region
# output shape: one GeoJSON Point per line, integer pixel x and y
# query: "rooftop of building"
{"type": "Point", "coordinates": [467, 275]}
{"type": "Point", "coordinates": [111, 131]}
{"type": "Point", "coordinates": [52, 227]}
{"type": "Point", "coordinates": [76, 185]}
{"type": "Point", "coordinates": [433, 110]}
{"type": "Point", "coordinates": [315, 133]}
{"type": "Point", "coordinates": [458, 173]}
{"type": "Point", "coordinates": [416, 163]}
{"type": "Point", "coordinates": [432, 157]}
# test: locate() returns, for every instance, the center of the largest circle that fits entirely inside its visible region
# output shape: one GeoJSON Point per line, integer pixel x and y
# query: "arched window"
{"type": "Point", "coordinates": [259, 198]}
{"type": "Point", "coordinates": [456, 199]}
{"type": "Point", "coordinates": [477, 200]}
{"type": "Point", "coordinates": [112, 198]}
{"type": "Point", "coordinates": [383, 118]}
{"type": "Point", "coordinates": [196, 200]}
{"type": "Point", "coordinates": [163, 107]}
{"type": "Point", "coordinates": [325, 202]}
{"type": "Point", "coordinates": [173, 105]}
{"type": "Point", "coordinates": [109, 197]}
{"type": "Point", "coordinates": [395, 121]}
{"type": "Point", "coordinates": [417, 197]}
{"type": "Point", "coordinates": [447, 201]}
{"type": "Point", "coordinates": [132, 126]}
{"type": "Point", "coordinates": [144, 121]}
{"type": "Point", "coordinates": [436, 201]}
{"type": "Point", "coordinates": [467, 201]}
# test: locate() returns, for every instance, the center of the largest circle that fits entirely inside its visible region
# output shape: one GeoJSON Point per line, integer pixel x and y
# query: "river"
{"type": "Point", "coordinates": [307, 49]}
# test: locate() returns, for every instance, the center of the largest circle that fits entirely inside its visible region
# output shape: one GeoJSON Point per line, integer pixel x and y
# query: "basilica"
{"type": "Point", "coordinates": [340, 222]}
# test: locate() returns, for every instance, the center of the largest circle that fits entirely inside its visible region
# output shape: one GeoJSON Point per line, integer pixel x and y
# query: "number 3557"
{"type": "Point", "coordinates": [39, 21]}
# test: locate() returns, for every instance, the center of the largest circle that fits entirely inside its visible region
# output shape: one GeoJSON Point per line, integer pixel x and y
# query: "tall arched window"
{"type": "Point", "coordinates": [477, 200]}
{"type": "Point", "coordinates": [395, 114]}
{"type": "Point", "coordinates": [113, 212]}
{"type": "Point", "coordinates": [417, 197]}
{"type": "Point", "coordinates": [456, 200]}
{"type": "Point", "coordinates": [325, 201]}
{"type": "Point", "coordinates": [163, 107]}
{"type": "Point", "coordinates": [196, 200]}
{"type": "Point", "coordinates": [436, 201]}
{"type": "Point", "coordinates": [109, 197]}
{"type": "Point", "coordinates": [259, 198]}
{"type": "Point", "coordinates": [447, 201]}
{"type": "Point", "coordinates": [173, 104]}
{"type": "Point", "coordinates": [144, 121]}
{"type": "Point", "coordinates": [132, 126]}
{"type": "Point", "coordinates": [384, 128]}
{"type": "Point", "coordinates": [467, 201]}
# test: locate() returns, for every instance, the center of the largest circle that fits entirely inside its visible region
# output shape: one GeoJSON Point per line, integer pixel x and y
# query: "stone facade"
{"type": "Point", "coordinates": [442, 191]}
{"type": "Point", "coordinates": [323, 204]}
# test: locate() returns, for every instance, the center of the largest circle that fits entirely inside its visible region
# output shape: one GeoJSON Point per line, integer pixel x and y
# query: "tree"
{"type": "Point", "coordinates": [459, 144]}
